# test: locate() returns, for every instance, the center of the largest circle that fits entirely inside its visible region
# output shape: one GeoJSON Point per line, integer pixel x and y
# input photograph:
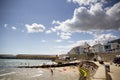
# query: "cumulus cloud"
{"type": "Point", "coordinates": [72, 45]}
{"type": "Point", "coordinates": [94, 17]}
{"type": "Point", "coordinates": [86, 2]}
{"type": "Point", "coordinates": [13, 28]}
{"type": "Point", "coordinates": [35, 28]}
{"type": "Point", "coordinates": [103, 38]}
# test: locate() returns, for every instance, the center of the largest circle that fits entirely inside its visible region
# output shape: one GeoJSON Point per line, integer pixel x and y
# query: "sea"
{"type": "Point", "coordinates": [10, 71]}
{"type": "Point", "coordinates": [9, 63]}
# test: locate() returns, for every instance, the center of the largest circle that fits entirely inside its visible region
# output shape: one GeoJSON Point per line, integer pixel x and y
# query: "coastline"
{"type": "Point", "coordinates": [66, 71]}
{"type": "Point", "coordinates": [69, 68]}
{"type": "Point", "coordinates": [59, 73]}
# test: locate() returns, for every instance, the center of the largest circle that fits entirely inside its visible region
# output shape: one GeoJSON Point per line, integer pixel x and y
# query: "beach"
{"type": "Point", "coordinates": [10, 71]}
{"type": "Point", "coordinates": [92, 70]}
{"type": "Point", "coordinates": [61, 73]}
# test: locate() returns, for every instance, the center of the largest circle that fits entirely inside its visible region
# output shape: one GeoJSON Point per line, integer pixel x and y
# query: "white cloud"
{"type": "Point", "coordinates": [103, 38]}
{"type": "Point", "coordinates": [56, 22]}
{"type": "Point", "coordinates": [5, 25]}
{"type": "Point", "coordinates": [90, 17]}
{"type": "Point", "coordinates": [67, 48]}
{"type": "Point", "coordinates": [35, 28]}
{"type": "Point", "coordinates": [114, 15]}
{"type": "Point", "coordinates": [43, 41]}
{"type": "Point", "coordinates": [48, 31]}
{"type": "Point", "coordinates": [58, 40]}
{"type": "Point", "coordinates": [65, 35]}
{"type": "Point", "coordinates": [58, 33]}
{"type": "Point", "coordinates": [94, 18]}
{"type": "Point", "coordinates": [86, 2]}
{"type": "Point", "coordinates": [53, 29]}
{"type": "Point", "coordinates": [13, 28]}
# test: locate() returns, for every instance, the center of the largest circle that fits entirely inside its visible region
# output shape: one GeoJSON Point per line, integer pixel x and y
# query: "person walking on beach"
{"type": "Point", "coordinates": [81, 64]}
{"type": "Point", "coordinates": [51, 71]}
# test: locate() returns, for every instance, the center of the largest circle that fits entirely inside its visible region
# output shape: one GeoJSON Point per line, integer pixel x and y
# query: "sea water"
{"type": "Point", "coordinates": [23, 62]}
{"type": "Point", "coordinates": [9, 70]}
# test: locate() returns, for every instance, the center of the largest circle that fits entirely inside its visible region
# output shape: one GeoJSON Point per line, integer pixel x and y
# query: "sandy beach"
{"type": "Point", "coordinates": [61, 73]}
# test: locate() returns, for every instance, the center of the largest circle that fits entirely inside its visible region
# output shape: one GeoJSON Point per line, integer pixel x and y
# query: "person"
{"type": "Point", "coordinates": [51, 71]}
{"type": "Point", "coordinates": [84, 74]}
{"type": "Point", "coordinates": [100, 60]}
{"type": "Point", "coordinates": [119, 61]}
{"type": "Point", "coordinates": [64, 69]}
{"type": "Point", "coordinates": [81, 64]}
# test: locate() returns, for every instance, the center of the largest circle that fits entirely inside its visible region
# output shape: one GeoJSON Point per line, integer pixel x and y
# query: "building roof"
{"type": "Point", "coordinates": [97, 45]}
{"type": "Point", "coordinates": [115, 41]}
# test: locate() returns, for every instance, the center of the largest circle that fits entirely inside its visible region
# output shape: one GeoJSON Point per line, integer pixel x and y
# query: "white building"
{"type": "Point", "coordinates": [77, 50]}
{"type": "Point", "coordinates": [98, 48]}
{"type": "Point", "coordinates": [112, 47]}
{"type": "Point", "coordinates": [80, 49]}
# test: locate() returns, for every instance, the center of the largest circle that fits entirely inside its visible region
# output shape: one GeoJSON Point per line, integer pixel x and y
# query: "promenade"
{"type": "Point", "coordinates": [101, 73]}
{"type": "Point", "coordinates": [114, 72]}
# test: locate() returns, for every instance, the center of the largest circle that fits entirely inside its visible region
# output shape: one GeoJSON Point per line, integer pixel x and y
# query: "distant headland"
{"type": "Point", "coordinates": [27, 56]}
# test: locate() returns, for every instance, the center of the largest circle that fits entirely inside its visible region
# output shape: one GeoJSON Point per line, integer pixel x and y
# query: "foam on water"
{"type": "Point", "coordinates": [36, 75]}
{"type": "Point", "coordinates": [7, 73]}
{"type": "Point", "coordinates": [6, 63]}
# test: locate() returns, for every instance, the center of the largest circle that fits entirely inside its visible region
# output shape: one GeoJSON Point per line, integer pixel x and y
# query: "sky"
{"type": "Point", "coordinates": [56, 26]}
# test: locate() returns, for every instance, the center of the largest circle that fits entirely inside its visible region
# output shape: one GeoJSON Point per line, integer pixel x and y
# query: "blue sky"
{"type": "Point", "coordinates": [55, 26]}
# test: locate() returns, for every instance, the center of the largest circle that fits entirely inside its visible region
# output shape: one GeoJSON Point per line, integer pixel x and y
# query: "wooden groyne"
{"type": "Point", "coordinates": [48, 65]}
{"type": "Point", "coordinates": [59, 65]}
